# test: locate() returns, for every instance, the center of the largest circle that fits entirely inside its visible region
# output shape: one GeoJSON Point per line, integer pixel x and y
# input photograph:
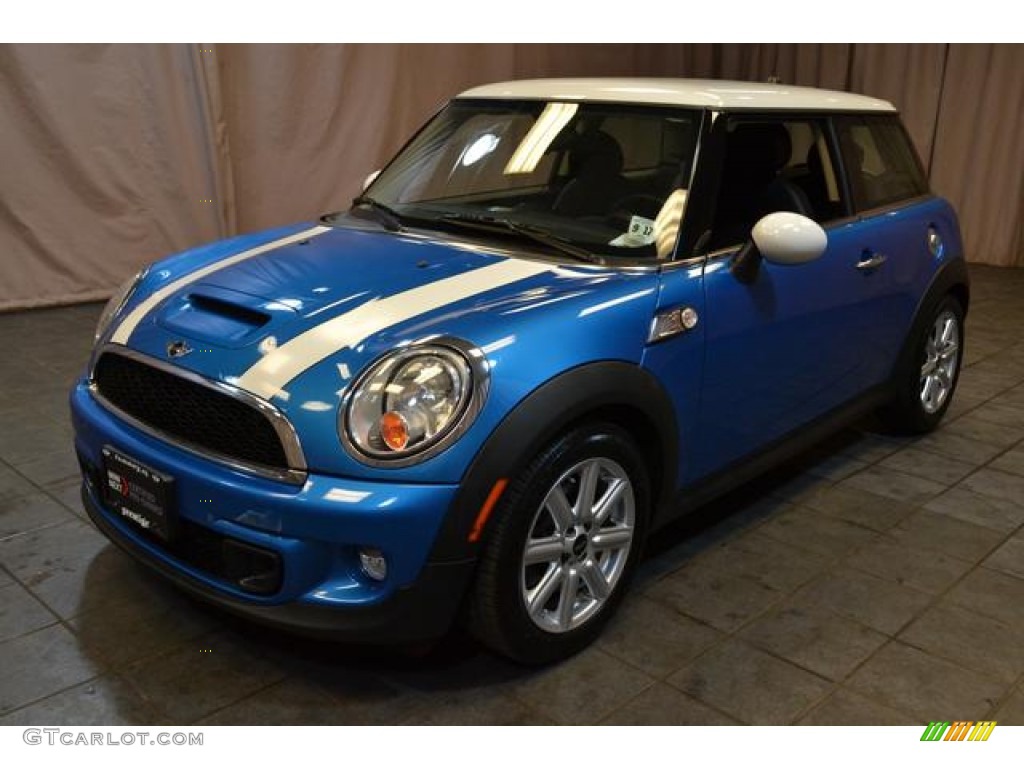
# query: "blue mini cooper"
{"type": "Point", "coordinates": [567, 312]}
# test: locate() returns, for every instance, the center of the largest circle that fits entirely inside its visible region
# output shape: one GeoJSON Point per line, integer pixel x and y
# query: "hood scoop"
{"type": "Point", "coordinates": [230, 311]}
{"type": "Point", "coordinates": [223, 316]}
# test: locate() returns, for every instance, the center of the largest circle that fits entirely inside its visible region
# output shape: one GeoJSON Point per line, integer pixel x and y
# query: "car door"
{"type": "Point", "coordinates": [900, 226]}
{"type": "Point", "coordinates": [794, 342]}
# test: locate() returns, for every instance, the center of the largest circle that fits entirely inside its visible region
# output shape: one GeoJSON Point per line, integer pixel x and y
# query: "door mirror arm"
{"type": "Point", "coordinates": [746, 263]}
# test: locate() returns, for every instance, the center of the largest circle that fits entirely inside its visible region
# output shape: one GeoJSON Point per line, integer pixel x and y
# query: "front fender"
{"type": "Point", "coordinates": [610, 390]}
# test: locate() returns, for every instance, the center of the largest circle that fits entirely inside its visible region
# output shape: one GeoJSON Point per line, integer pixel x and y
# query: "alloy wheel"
{"type": "Point", "coordinates": [578, 545]}
{"type": "Point", "coordinates": [942, 351]}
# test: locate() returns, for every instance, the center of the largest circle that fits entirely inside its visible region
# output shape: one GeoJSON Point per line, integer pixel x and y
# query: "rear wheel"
{"type": "Point", "coordinates": [926, 382]}
{"type": "Point", "coordinates": [563, 547]}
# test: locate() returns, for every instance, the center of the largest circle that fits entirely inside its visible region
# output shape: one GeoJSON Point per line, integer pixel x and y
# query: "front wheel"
{"type": "Point", "coordinates": [565, 541]}
{"type": "Point", "coordinates": [925, 385]}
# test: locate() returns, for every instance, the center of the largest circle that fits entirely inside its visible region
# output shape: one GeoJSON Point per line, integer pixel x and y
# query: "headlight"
{"type": "Point", "coordinates": [117, 302]}
{"type": "Point", "coordinates": [412, 403]}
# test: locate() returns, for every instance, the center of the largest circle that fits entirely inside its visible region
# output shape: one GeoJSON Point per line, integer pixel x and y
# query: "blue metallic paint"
{"type": "Point", "coordinates": [599, 314]}
{"type": "Point", "coordinates": [178, 265]}
{"type": "Point", "coordinates": [315, 528]}
{"type": "Point", "coordinates": [802, 341]}
{"type": "Point", "coordinates": [764, 359]}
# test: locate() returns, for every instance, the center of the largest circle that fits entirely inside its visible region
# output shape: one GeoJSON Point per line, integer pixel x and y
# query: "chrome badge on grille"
{"type": "Point", "coordinates": [178, 349]}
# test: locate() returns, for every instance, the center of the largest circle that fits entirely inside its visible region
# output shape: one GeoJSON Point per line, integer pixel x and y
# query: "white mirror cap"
{"type": "Point", "coordinates": [370, 179]}
{"type": "Point", "coordinates": [789, 238]}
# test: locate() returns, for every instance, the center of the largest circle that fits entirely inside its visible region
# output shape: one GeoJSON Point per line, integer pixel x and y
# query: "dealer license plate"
{"type": "Point", "coordinates": [141, 495]}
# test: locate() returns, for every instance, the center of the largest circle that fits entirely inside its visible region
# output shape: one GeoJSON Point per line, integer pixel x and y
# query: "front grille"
{"type": "Point", "coordinates": [181, 409]}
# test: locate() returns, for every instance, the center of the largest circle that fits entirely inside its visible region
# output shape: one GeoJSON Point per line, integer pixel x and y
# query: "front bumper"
{"type": "Point", "coordinates": [313, 533]}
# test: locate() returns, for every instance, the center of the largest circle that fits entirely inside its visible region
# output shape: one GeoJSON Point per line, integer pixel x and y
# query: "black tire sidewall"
{"type": "Point", "coordinates": [515, 633]}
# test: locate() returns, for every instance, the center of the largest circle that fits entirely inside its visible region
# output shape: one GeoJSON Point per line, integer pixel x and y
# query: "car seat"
{"type": "Point", "coordinates": [596, 181]}
{"type": "Point", "coordinates": [751, 185]}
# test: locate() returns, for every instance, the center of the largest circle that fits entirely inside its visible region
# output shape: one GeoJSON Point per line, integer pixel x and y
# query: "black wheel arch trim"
{"type": "Point", "coordinates": [951, 277]}
{"type": "Point", "coordinates": [947, 278]}
{"type": "Point", "coordinates": [611, 390]}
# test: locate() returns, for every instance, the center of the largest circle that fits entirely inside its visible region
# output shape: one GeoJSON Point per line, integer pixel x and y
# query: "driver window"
{"type": "Point", "coordinates": [774, 165]}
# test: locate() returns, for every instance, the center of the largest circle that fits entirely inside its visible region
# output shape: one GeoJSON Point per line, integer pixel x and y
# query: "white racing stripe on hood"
{"type": "Point", "coordinates": [268, 377]}
{"type": "Point", "coordinates": [133, 318]}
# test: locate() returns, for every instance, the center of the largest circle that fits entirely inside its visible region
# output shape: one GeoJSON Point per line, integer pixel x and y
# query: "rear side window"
{"type": "Point", "coordinates": [880, 161]}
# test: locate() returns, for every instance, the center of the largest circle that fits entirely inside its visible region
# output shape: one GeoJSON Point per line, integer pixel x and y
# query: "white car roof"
{"type": "Point", "coordinates": [713, 94]}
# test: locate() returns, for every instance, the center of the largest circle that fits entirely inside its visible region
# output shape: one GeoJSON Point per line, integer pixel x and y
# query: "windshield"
{"type": "Point", "coordinates": [610, 179]}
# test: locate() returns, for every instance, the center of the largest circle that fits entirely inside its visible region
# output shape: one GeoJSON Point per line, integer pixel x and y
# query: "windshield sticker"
{"type": "Point", "coordinates": [639, 234]}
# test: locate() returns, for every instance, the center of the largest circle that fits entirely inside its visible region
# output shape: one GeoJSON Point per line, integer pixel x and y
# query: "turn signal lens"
{"type": "Point", "coordinates": [394, 431]}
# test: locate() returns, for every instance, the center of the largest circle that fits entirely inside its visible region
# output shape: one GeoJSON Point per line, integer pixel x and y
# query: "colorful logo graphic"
{"type": "Point", "coordinates": [961, 730]}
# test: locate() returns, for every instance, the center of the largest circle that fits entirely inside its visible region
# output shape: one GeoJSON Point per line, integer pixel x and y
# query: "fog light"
{"type": "Point", "coordinates": [374, 564]}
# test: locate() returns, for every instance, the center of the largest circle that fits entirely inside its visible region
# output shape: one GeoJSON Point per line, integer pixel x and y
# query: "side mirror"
{"type": "Point", "coordinates": [789, 238]}
{"type": "Point", "coordinates": [370, 179]}
{"type": "Point", "coordinates": [782, 238]}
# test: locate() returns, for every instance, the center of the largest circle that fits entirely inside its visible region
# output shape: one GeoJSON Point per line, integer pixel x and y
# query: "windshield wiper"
{"type": "Point", "coordinates": [480, 221]}
{"type": "Point", "coordinates": [385, 215]}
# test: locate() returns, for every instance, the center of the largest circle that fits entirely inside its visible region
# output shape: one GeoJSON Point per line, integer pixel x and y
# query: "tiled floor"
{"type": "Point", "coordinates": [877, 580]}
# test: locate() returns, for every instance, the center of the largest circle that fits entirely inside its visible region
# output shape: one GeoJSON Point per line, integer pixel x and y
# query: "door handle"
{"type": "Point", "coordinates": [872, 261]}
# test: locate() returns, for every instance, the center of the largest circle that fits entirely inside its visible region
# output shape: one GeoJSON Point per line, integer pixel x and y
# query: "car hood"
{"type": "Point", "coordinates": [260, 311]}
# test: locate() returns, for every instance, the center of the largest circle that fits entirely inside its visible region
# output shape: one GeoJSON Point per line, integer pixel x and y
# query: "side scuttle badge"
{"type": "Point", "coordinates": [672, 323]}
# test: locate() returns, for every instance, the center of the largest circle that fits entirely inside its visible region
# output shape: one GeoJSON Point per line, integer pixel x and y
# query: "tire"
{"type": "Point", "coordinates": [926, 379]}
{"type": "Point", "coordinates": [573, 557]}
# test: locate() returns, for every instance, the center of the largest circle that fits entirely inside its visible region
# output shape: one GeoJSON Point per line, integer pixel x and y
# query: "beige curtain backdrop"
{"type": "Point", "coordinates": [106, 153]}
{"type": "Point", "coordinates": [308, 123]}
{"type": "Point", "coordinates": [112, 156]}
{"type": "Point", "coordinates": [978, 160]}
